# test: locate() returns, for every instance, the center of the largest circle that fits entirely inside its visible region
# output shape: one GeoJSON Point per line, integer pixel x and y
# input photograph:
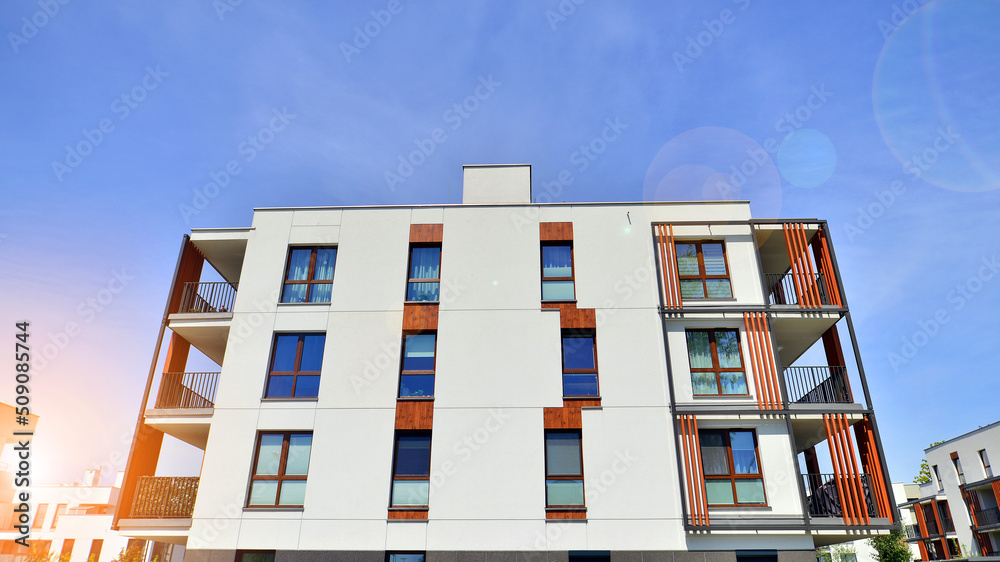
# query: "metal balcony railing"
{"type": "Point", "coordinates": [912, 531]}
{"type": "Point", "coordinates": [214, 296]}
{"type": "Point", "coordinates": [187, 390]}
{"type": "Point", "coordinates": [781, 287]}
{"type": "Point", "coordinates": [818, 385]}
{"type": "Point", "coordinates": [170, 497]}
{"type": "Point", "coordinates": [822, 498]}
{"type": "Point", "coordinates": [987, 517]}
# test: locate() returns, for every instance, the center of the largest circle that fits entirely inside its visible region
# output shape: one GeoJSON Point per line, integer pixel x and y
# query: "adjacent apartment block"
{"type": "Point", "coordinates": [509, 380]}
{"type": "Point", "coordinates": [957, 513]}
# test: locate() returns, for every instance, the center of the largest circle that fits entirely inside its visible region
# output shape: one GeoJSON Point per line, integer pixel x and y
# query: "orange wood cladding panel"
{"type": "Point", "coordinates": [188, 271]}
{"type": "Point", "coordinates": [408, 514]}
{"type": "Point", "coordinates": [871, 465]}
{"type": "Point", "coordinates": [697, 498]}
{"type": "Point", "coordinates": [996, 490]}
{"type": "Point", "coordinates": [555, 231]}
{"type": "Point", "coordinates": [563, 418]}
{"type": "Point", "coordinates": [418, 317]}
{"type": "Point", "coordinates": [765, 374]}
{"type": "Point", "coordinates": [426, 233]}
{"type": "Point", "coordinates": [565, 514]}
{"type": "Point", "coordinates": [414, 414]}
{"type": "Point", "coordinates": [669, 281]}
{"type": "Point", "coordinates": [559, 305]}
{"type": "Point", "coordinates": [577, 318]}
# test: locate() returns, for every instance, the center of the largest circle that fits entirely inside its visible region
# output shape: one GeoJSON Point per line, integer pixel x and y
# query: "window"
{"type": "Point", "coordinates": [404, 557]}
{"type": "Point", "coordinates": [39, 519]}
{"type": "Point", "coordinates": [579, 358]}
{"type": "Point", "coordinates": [254, 556]}
{"type": "Point", "coordinates": [295, 366]}
{"type": "Point", "coordinates": [67, 549]}
{"type": "Point", "coordinates": [557, 272]}
{"type": "Point", "coordinates": [563, 468]}
{"type": "Point", "coordinates": [986, 463]}
{"type": "Point", "coordinates": [937, 478]}
{"type": "Point", "coordinates": [281, 464]}
{"type": "Point", "coordinates": [958, 469]}
{"type": "Point", "coordinates": [716, 362]}
{"type": "Point", "coordinates": [309, 277]}
{"type": "Point", "coordinates": [417, 375]}
{"type": "Point", "coordinates": [732, 473]}
{"type": "Point", "coordinates": [425, 273]}
{"type": "Point", "coordinates": [701, 268]}
{"type": "Point", "coordinates": [60, 511]}
{"type": "Point", "coordinates": [95, 550]}
{"type": "Point", "coordinates": [411, 469]}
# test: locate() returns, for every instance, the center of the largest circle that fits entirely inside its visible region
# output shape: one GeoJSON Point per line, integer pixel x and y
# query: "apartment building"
{"type": "Point", "coordinates": [70, 521]}
{"type": "Point", "coordinates": [509, 380]}
{"type": "Point", "coordinates": [957, 513]}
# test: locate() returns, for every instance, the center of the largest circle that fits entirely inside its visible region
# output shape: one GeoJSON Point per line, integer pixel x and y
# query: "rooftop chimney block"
{"type": "Point", "coordinates": [496, 184]}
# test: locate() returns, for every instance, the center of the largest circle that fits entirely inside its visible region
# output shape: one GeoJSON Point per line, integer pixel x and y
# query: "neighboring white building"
{"type": "Point", "coordinates": [957, 513]}
{"type": "Point", "coordinates": [509, 380]}
{"type": "Point", "coordinates": [859, 550]}
{"type": "Point", "coordinates": [71, 520]}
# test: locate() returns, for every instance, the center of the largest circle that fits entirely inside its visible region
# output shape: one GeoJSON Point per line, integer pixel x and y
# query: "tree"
{"type": "Point", "coordinates": [924, 476]}
{"type": "Point", "coordinates": [891, 547]}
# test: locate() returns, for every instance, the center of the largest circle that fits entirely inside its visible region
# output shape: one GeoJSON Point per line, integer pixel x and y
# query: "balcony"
{"type": "Point", "coordinates": [988, 517]}
{"type": "Point", "coordinates": [784, 288]}
{"type": "Point", "coordinates": [184, 406]}
{"type": "Point", "coordinates": [822, 495]}
{"type": "Point", "coordinates": [818, 385]}
{"type": "Point", "coordinates": [162, 509]}
{"type": "Point", "coordinates": [203, 316]}
{"type": "Point", "coordinates": [187, 390]}
{"type": "Point", "coordinates": [170, 497]}
{"type": "Point", "coordinates": [912, 531]}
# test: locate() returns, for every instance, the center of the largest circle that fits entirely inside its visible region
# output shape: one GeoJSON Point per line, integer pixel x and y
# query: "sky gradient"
{"type": "Point", "coordinates": [124, 125]}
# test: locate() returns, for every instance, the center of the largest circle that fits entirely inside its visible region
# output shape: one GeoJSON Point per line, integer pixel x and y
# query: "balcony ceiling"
{"type": "Point", "coordinates": [224, 249]}
{"type": "Point", "coordinates": [773, 249]}
{"type": "Point", "coordinates": [795, 332]}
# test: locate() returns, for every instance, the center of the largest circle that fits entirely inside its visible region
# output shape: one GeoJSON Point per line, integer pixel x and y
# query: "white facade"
{"type": "Point", "coordinates": [497, 379]}
{"type": "Point", "coordinates": [967, 521]}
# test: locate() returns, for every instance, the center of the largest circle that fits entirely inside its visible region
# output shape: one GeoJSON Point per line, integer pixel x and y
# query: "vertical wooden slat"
{"type": "Point", "coordinates": [849, 483]}
{"type": "Point", "coordinates": [837, 470]}
{"type": "Point", "coordinates": [664, 266]}
{"type": "Point", "coordinates": [700, 481]}
{"type": "Point", "coordinates": [813, 278]}
{"type": "Point", "coordinates": [756, 376]}
{"type": "Point", "coordinates": [769, 358]}
{"type": "Point", "coordinates": [859, 486]}
{"type": "Point", "coordinates": [793, 266]}
{"type": "Point", "coordinates": [686, 443]}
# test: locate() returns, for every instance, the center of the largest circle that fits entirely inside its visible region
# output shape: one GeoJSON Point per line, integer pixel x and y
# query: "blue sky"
{"type": "Point", "coordinates": [119, 121]}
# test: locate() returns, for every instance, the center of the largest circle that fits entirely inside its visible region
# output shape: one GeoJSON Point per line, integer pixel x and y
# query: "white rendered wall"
{"type": "Point", "coordinates": [498, 367]}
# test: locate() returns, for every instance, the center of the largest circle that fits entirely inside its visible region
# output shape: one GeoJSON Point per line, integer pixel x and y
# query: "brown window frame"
{"type": "Point", "coordinates": [281, 477]}
{"type": "Point", "coordinates": [409, 269]}
{"type": "Point", "coordinates": [702, 274]}
{"type": "Point", "coordinates": [732, 477]}
{"type": "Point", "coordinates": [414, 477]}
{"type": "Point", "coordinates": [958, 469]}
{"type": "Point", "coordinates": [308, 281]}
{"type": "Point", "coordinates": [716, 368]}
{"type": "Point", "coordinates": [545, 436]}
{"type": "Point", "coordinates": [402, 363]}
{"type": "Point", "coordinates": [295, 373]}
{"type": "Point", "coordinates": [572, 268]}
{"type": "Point", "coordinates": [577, 333]}
{"type": "Point", "coordinates": [984, 458]}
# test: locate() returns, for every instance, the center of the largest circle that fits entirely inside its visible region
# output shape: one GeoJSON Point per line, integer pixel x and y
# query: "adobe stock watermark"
{"type": "Point", "coordinates": [899, 15]}
{"type": "Point", "coordinates": [714, 28]}
{"type": "Point", "coordinates": [87, 310]}
{"type": "Point", "coordinates": [224, 7]}
{"type": "Point", "coordinates": [249, 149]}
{"type": "Point", "coordinates": [30, 26]}
{"type": "Point", "coordinates": [580, 159]}
{"type": "Point", "coordinates": [454, 117]}
{"type": "Point", "coordinates": [563, 11]}
{"type": "Point", "coordinates": [914, 167]}
{"type": "Point", "coordinates": [366, 33]}
{"type": "Point", "coordinates": [122, 106]}
{"type": "Point", "coordinates": [957, 297]}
